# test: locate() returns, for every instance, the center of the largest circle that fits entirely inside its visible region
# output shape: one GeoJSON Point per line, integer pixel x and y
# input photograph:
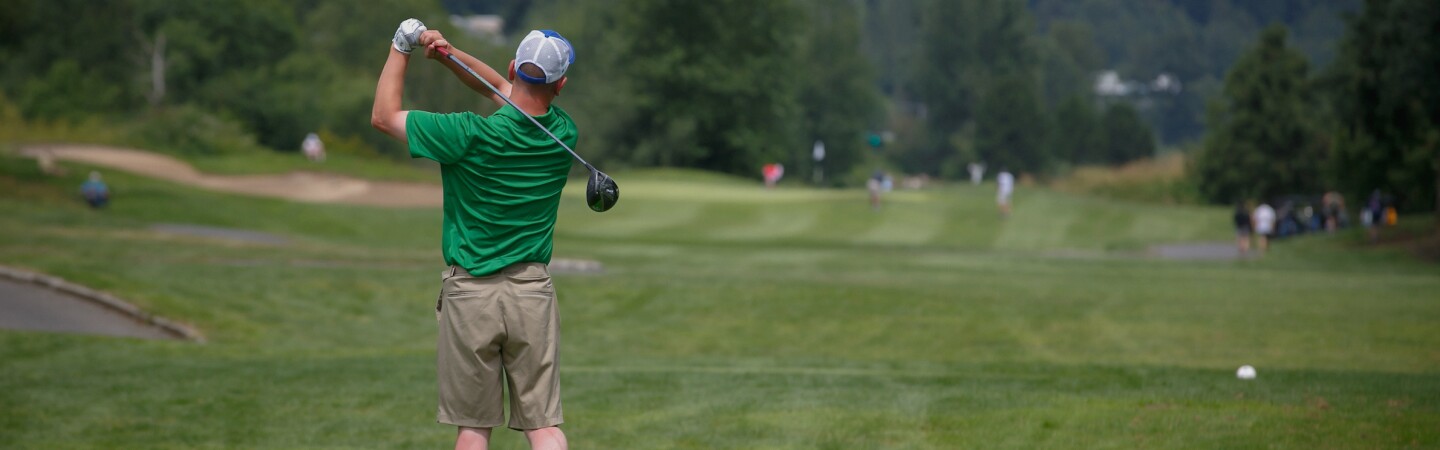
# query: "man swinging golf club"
{"type": "Point", "coordinates": [502, 176]}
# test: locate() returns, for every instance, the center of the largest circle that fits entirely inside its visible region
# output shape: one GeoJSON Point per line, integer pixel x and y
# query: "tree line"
{"type": "Point", "coordinates": [726, 85]}
{"type": "Point", "coordinates": [1370, 121]}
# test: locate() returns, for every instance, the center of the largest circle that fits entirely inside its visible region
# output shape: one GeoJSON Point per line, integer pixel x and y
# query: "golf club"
{"type": "Point", "coordinates": [601, 193]}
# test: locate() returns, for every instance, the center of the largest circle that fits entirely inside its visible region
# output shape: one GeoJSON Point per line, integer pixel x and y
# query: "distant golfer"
{"type": "Point", "coordinates": [502, 176]}
{"type": "Point", "coordinates": [95, 192]}
{"type": "Point", "coordinates": [1005, 182]}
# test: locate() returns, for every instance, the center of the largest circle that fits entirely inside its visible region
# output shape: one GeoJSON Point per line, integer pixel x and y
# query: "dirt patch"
{"type": "Point", "coordinates": [296, 186]}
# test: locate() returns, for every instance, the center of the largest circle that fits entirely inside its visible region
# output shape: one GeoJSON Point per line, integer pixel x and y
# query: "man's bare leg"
{"type": "Point", "coordinates": [550, 438]}
{"type": "Point", "coordinates": [473, 439]}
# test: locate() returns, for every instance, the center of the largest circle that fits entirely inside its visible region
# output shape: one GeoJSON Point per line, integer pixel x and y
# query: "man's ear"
{"type": "Point", "coordinates": [510, 73]}
{"type": "Point", "coordinates": [560, 85]}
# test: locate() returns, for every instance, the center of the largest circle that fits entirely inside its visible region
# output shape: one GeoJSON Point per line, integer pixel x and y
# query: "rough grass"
{"type": "Point", "coordinates": [733, 317]}
{"type": "Point", "coordinates": [1158, 180]}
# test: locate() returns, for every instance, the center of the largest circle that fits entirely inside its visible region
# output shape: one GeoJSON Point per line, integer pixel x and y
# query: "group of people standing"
{"type": "Point", "coordinates": [1260, 223]}
{"type": "Point", "coordinates": [1264, 222]}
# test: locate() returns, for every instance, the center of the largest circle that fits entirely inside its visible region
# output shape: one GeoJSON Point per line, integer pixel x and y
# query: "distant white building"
{"type": "Point", "coordinates": [485, 26]}
{"type": "Point", "coordinates": [1109, 84]}
{"type": "Point", "coordinates": [1165, 83]}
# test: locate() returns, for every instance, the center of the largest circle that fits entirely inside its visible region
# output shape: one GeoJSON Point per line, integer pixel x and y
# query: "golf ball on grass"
{"type": "Point", "coordinates": [1245, 373]}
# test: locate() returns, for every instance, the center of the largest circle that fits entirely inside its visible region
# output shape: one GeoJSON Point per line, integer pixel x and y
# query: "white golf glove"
{"type": "Point", "coordinates": [407, 37]}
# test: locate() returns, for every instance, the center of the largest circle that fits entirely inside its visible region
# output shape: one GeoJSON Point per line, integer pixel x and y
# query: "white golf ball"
{"type": "Point", "coordinates": [1245, 373]}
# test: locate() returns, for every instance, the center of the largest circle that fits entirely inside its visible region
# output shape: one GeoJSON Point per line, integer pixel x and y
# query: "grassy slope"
{"type": "Point", "coordinates": [732, 317]}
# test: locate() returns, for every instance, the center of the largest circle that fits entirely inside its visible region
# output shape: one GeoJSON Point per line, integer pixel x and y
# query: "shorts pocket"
{"type": "Point", "coordinates": [539, 286]}
{"type": "Point", "coordinates": [532, 278]}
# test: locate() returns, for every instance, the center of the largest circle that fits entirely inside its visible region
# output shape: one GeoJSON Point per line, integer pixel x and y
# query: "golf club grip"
{"type": "Point", "coordinates": [446, 52]}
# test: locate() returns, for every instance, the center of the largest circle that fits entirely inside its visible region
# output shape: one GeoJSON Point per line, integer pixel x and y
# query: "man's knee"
{"type": "Point", "coordinates": [548, 438]}
{"type": "Point", "coordinates": [472, 438]}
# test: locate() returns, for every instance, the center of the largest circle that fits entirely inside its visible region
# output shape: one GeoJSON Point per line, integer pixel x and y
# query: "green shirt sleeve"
{"type": "Point", "coordinates": [446, 138]}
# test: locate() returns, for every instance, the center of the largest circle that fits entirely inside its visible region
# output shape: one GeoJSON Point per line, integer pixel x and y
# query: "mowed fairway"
{"type": "Point", "coordinates": [732, 317]}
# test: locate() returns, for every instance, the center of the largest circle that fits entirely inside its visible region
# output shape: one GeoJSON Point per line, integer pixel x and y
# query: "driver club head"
{"type": "Point", "coordinates": [601, 193]}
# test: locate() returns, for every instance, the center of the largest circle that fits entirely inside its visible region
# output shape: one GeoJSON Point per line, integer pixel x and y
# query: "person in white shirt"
{"type": "Point", "coordinates": [314, 149]}
{"type": "Point", "coordinates": [1006, 183]}
{"type": "Point", "coordinates": [1264, 217]}
{"type": "Point", "coordinates": [977, 173]}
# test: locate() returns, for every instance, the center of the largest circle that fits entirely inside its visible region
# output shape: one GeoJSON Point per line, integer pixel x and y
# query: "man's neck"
{"type": "Point", "coordinates": [529, 102]}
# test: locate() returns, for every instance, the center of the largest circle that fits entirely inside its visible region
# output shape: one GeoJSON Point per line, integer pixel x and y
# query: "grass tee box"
{"type": "Point", "coordinates": [731, 317]}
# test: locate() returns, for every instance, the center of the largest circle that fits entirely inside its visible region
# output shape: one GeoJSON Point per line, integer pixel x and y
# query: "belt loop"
{"type": "Point", "coordinates": [454, 270]}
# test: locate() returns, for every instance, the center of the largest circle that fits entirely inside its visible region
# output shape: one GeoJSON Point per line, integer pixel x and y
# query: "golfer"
{"type": "Point", "coordinates": [1005, 184]}
{"type": "Point", "coordinates": [502, 178]}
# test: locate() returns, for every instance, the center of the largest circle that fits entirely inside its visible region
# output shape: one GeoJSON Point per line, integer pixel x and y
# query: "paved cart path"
{"type": "Point", "coordinates": [28, 306]}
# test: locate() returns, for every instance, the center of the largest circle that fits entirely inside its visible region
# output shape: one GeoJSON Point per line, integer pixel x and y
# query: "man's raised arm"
{"type": "Point", "coordinates": [432, 39]}
{"type": "Point", "coordinates": [386, 115]}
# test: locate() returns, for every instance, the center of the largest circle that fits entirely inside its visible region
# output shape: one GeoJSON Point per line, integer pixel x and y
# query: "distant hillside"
{"type": "Point", "coordinates": [1133, 33]}
{"type": "Point", "coordinates": [1194, 42]}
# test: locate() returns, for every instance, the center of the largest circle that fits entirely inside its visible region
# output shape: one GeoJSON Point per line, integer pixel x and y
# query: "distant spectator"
{"type": "Point", "coordinates": [875, 185]}
{"type": "Point", "coordinates": [1289, 220]}
{"type": "Point", "coordinates": [1264, 217]}
{"type": "Point", "coordinates": [977, 172]}
{"type": "Point", "coordinates": [1373, 216]}
{"type": "Point", "coordinates": [1333, 208]}
{"type": "Point", "coordinates": [1006, 185]}
{"type": "Point", "coordinates": [95, 192]}
{"type": "Point", "coordinates": [1242, 228]}
{"type": "Point", "coordinates": [772, 173]}
{"type": "Point", "coordinates": [313, 148]}
{"type": "Point", "coordinates": [1311, 220]}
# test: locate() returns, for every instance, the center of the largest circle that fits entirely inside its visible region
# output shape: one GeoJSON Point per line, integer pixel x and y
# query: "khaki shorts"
{"type": "Point", "coordinates": [500, 327]}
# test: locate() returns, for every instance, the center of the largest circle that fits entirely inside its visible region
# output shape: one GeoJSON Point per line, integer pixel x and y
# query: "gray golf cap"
{"type": "Point", "coordinates": [547, 50]}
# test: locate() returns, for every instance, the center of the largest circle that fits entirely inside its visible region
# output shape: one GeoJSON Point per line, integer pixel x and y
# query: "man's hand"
{"type": "Point", "coordinates": [407, 36]}
{"type": "Point", "coordinates": [431, 40]}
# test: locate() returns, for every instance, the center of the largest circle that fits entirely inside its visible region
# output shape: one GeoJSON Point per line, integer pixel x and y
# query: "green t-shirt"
{"type": "Point", "coordinates": [502, 178]}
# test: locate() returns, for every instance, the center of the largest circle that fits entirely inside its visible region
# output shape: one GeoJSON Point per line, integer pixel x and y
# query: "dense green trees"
{"type": "Point", "coordinates": [1372, 121]}
{"type": "Point", "coordinates": [838, 98]}
{"type": "Point", "coordinates": [1076, 136]}
{"type": "Point", "coordinates": [1263, 142]}
{"type": "Point", "coordinates": [732, 84]}
{"type": "Point", "coordinates": [1124, 137]}
{"type": "Point", "coordinates": [728, 85]}
{"type": "Point", "coordinates": [975, 76]}
{"type": "Point", "coordinates": [725, 85]}
{"type": "Point", "coordinates": [267, 68]}
{"type": "Point", "coordinates": [714, 83]}
{"type": "Point", "coordinates": [1386, 103]}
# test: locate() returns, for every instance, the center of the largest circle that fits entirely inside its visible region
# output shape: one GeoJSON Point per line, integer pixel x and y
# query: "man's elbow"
{"type": "Point", "coordinates": [392, 125]}
{"type": "Point", "coordinates": [379, 122]}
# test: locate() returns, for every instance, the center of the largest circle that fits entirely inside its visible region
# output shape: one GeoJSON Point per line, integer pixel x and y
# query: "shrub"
{"type": "Point", "coordinates": [191, 131]}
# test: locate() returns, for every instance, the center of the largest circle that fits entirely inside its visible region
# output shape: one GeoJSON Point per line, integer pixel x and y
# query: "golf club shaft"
{"type": "Point", "coordinates": [446, 52]}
